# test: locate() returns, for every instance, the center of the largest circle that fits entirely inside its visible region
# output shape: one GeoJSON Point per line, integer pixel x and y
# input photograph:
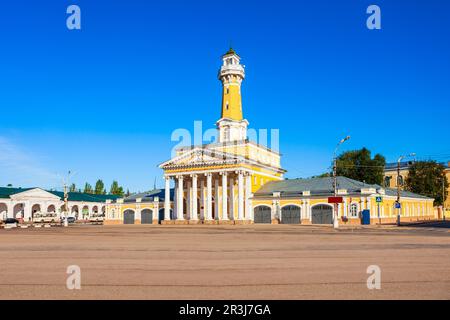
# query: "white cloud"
{"type": "Point", "coordinates": [23, 167]}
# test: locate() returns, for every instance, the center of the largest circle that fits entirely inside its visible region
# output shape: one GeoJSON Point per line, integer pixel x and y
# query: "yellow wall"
{"type": "Point", "coordinates": [231, 101]}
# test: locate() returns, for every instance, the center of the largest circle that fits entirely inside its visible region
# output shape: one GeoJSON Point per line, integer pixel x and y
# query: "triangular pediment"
{"type": "Point", "coordinates": [34, 194]}
{"type": "Point", "coordinates": [201, 156]}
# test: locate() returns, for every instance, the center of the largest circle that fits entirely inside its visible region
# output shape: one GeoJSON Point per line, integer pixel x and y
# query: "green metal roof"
{"type": "Point", "coordinates": [6, 192]}
{"type": "Point", "coordinates": [73, 196]}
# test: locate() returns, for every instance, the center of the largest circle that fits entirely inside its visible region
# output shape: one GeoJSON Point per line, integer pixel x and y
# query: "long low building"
{"type": "Point", "coordinates": [140, 208]}
{"type": "Point", "coordinates": [297, 201]}
{"type": "Point", "coordinates": [23, 203]}
{"type": "Point", "coordinates": [306, 201]}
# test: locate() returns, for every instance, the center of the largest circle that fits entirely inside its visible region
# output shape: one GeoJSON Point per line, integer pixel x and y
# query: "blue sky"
{"type": "Point", "coordinates": [103, 101]}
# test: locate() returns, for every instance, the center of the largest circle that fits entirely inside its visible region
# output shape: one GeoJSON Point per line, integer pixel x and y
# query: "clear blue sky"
{"type": "Point", "coordinates": [104, 101]}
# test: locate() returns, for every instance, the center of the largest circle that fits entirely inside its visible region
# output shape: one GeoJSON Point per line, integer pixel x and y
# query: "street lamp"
{"type": "Point", "coordinates": [335, 220]}
{"type": "Point", "coordinates": [398, 185]}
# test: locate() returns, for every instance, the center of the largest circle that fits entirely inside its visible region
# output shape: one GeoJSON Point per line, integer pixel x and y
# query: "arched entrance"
{"type": "Point", "coordinates": [3, 211]}
{"type": "Point", "coordinates": [34, 209]}
{"type": "Point", "coordinates": [262, 214]}
{"type": "Point", "coordinates": [128, 217]}
{"type": "Point", "coordinates": [146, 216]}
{"type": "Point", "coordinates": [51, 209]}
{"type": "Point", "coordinates": [291, 214]}
{"type": "Point", "coordinates": [74, 212]}
{"type": "Point", "coordinates": [19, 211]}
{"type": "Point", "coordinates": [83, 212]}
{"type": "Point", "coordinates": [322, 214]}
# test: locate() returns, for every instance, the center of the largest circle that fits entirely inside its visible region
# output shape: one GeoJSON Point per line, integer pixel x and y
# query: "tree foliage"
{"type": "Point", "coordinates": [72, 188]}
{"type": "Point", "coordinates": [99, 187]}
{"type": "Point", "coordinates": [88, 188]}
{"type": "Point", "coordinates": [359, 165]}
{"type": "Point", "coordinates": [116, 189]}
{"type": "Point", "coordinates": [425, 178]}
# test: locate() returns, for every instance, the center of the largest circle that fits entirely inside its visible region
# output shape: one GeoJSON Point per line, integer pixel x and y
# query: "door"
{"type": "Point", "coordinates": [290, 214]}
{"type": "Point", "coordinates": [262, 214]}
{"type": "Point", "coordinates": [365, 217]}
{"type": "Point", "coordinates": [322, 214]}
{"type": "Point", "coordinates": [161, 215]}
{"type": "Point", "coordinates": [146, 216]}
{"type": "Point", "coordinates": [128, 217]}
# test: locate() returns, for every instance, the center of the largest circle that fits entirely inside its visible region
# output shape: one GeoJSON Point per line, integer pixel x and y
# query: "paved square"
{"type": "Point", "coordinates": [224, 262]}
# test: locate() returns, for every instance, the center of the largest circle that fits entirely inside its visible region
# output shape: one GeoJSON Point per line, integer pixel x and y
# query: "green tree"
{"type": "Point", "coordinates": [88, 188]}
{"type": "Point", "coordinates": [116, 189]}
{"type": "Point", "coordinates": [425, 178]}
{"type": "Point", "coordinates": [72, 188]}
{"type": "Point", "coordinates": [359, 165]}
{"type": "Point", "coordinates": [99, 187]}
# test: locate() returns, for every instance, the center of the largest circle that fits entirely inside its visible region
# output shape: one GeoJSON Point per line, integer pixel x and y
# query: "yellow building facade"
{"type": "Point", "coordinates": [392, 179]}
{"type": "Point", "coordinates": [236, 181]}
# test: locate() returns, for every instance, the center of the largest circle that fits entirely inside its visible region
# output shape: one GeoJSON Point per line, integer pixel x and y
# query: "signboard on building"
{"type": "Point", "coordinates": [335, 199]}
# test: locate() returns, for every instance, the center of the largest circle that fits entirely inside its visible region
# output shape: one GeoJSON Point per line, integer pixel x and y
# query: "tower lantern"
{"type": "Point", "coordinates": [232, 126]}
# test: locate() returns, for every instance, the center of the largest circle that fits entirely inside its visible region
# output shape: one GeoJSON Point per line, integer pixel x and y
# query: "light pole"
{"type": "Point", "coordinates": [66, 199]}
{"type": "Point", "coordinates": [335, 220]}
{"type": "Point", "coordinates": [443, 197]}
{"type": "Point", "coordinates": [398, 185]}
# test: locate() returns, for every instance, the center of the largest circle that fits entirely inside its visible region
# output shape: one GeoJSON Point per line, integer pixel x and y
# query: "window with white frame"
{"type": "Point", "coordinates": [354, 210]}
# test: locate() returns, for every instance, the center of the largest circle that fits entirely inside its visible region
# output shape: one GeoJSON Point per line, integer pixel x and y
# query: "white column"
{"type": "Point", "coordinates": [345, 207]}
{"type": "Point", "coordinates": [216, 198]}
{"type": "Point", "coordinates": [9, 210]}
{"type": "Point", "coordinates": [175, 199]}
{"type": "Point", "coordinates": [248, 193]}
{"type": "Point", "coordinates": [155, 212]}
{"type": "Point", "coordinates": [240, 196]}
{"type": "Point", "coordinates": [180, 198]}
{"type": "Point", "coordinates": [273, 212]}
{"type": "Point", "coordinates": [208, 196]}
{"type": "Point", "coordinates": [194, 209]}
{"type": "Point", "coordinates": [224, 196]}
{"type": "Point", "coordinates": [308, 209]}
{"type": "Point", "coordinates": [369, 206]}
{"type": "Point", "coordinates": [231, 209]}
{"type": "Point", "coordinates": [167, 199]}
{"type": "Point", "coordinates": [188, 199]}
{"type": "Point", "coordinates": [202, 200]}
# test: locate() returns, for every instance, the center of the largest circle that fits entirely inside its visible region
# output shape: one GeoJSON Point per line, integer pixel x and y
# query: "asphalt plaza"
{"type": "Point", "coordinates": [225, 262]}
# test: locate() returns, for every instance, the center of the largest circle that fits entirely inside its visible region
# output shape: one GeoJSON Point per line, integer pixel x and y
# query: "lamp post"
{"type": "Point", "coordinates": [398, 185]}
{"type": "Point", "coordinates": [335, 220]}
{"type": "Point", "coordinates": [66, 199]}
{"type": "Point", "coordinates": [443, 197]}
